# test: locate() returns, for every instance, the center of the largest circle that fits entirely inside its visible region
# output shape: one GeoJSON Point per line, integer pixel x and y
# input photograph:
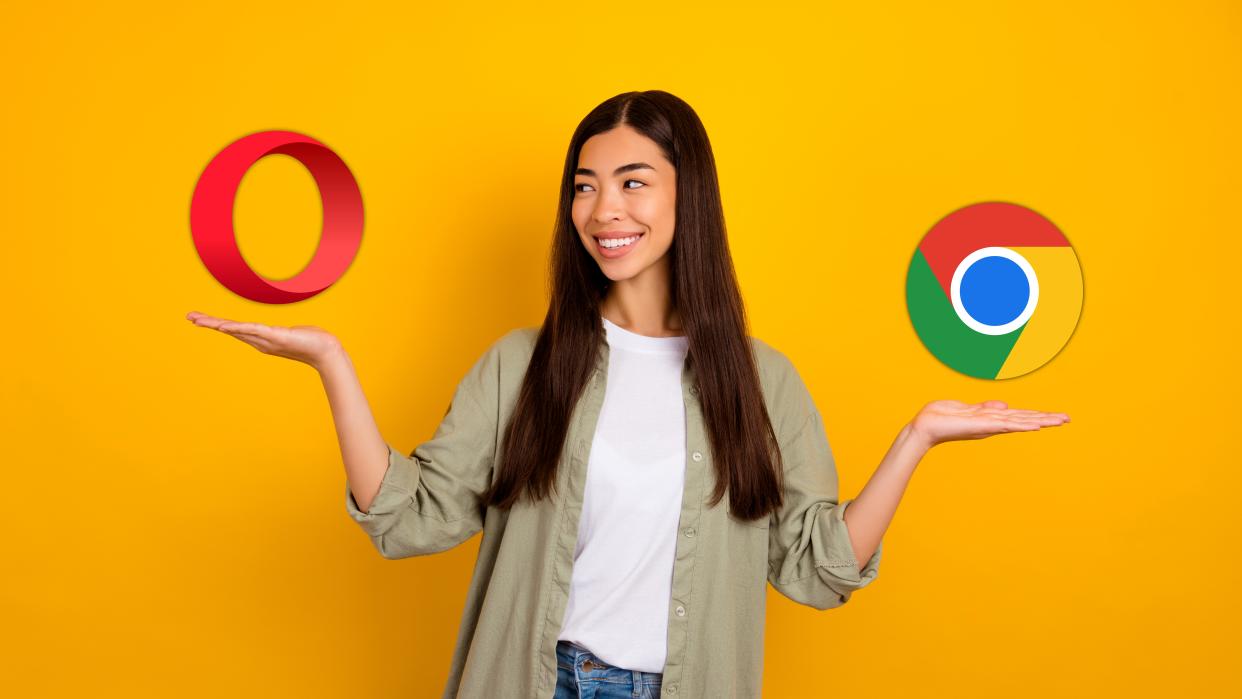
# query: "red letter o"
{"type": "Point", "coordinates": [211, 217]}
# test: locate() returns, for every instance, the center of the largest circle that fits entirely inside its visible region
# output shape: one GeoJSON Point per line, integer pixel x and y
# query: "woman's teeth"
{"type": "Point", "coordinates": [617, 242]}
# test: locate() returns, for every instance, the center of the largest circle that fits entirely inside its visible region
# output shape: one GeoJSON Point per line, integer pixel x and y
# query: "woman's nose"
{"type": "Point", "coordinates": [607, 207]}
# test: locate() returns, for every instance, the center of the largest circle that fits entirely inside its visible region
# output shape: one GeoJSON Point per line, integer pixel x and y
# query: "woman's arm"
{"type": "Point", "coordinates": [363, 449]}
{"type": "Point", "coordinates": [869, 514]}
{"type": "Point", "coordinates": [409, 504]}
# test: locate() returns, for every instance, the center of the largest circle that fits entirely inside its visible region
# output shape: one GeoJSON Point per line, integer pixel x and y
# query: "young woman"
{"type": "Point", "coordinates": [640, 467]}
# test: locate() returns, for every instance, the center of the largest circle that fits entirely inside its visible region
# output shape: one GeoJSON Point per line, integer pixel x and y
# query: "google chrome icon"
{"type": "Point", "coordinates": [994, 290]}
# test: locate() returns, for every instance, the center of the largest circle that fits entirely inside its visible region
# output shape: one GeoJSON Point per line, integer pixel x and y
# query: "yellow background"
{"type": "Point", "coordinates": [175, 521]}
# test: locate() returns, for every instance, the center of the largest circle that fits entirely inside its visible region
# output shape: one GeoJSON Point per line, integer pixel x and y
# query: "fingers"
{"type": "Point", "coordinates": [1011, 413]}
{"type": "Point", "coordinates": [225, 325]}
{"type": "Point", "coordinates": [206, 321]}
{"type": "Point", "coordinates": [1014, 412]}
{"type": "Point", "coordinates": [1034, 422]}
{"type": "Point", "coordinates": [1038, 415]}
{"type": "Point", "coordinates": [231, 327]}
{"type": "Point", "coordinates": [198, 318]}
{"type": "Point", "coordinates": [254, 341]}
{"type": "Point", "coordinates": [258, 335]}
{"type": "Point", "coordinates": [1002, 425]}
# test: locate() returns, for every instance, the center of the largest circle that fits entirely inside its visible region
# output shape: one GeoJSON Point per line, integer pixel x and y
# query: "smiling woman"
{"type": "Point", "coordinates": [654, 434]}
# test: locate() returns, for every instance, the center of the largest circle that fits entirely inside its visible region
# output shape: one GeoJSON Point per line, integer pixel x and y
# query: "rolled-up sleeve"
{"type": "Point", "coordinates": [810, 557]}
{"type": "Point", "coordinates": [431, 500]}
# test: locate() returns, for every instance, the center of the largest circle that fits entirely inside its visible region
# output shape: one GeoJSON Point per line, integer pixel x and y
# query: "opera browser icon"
{"type": "Point", "coordinates": [994, 290]}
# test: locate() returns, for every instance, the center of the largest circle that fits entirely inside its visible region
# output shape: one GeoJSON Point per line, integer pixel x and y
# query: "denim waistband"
{"type": "Point", "coordinates": [573, 654]}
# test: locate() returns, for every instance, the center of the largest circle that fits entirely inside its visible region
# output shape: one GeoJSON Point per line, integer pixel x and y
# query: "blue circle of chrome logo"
{"type": "Point", "coordinates": [994, 290]}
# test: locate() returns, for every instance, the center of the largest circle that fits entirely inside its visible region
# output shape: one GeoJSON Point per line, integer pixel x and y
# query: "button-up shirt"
{"type": "Point", "coordinates": [430, 501]}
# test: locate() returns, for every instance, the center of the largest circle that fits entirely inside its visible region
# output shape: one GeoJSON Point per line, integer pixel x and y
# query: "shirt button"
{"type": "Point", "coordinates": [694, 390]}
{"type": "Point", "coordinates": [689, 531]}
{"type": "Point", "coordinates": [671, 689]}
{"type": "Point", "coordinates": [681, 611]}
{"type": "Point", "coordinates": [697, 456]}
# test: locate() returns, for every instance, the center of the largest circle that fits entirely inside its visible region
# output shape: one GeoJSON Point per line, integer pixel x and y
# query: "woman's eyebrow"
{"type": "Point", "coordinates": [618, 171]}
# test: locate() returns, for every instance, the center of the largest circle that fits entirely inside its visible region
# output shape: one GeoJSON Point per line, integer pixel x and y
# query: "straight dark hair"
{"type": "Point", "coordinates": [704, 289]}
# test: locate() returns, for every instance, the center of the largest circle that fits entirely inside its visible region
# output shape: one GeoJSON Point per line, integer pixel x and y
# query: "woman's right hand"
{"type": "Point", "coordinates": [304, 343]}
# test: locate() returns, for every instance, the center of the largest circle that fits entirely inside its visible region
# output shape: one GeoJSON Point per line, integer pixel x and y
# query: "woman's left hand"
{"type": "Point", "coordinates": [949, 420]}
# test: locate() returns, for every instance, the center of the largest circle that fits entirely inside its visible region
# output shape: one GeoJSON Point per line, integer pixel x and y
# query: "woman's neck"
{"type": "Point", "coordinates": [642, 308]}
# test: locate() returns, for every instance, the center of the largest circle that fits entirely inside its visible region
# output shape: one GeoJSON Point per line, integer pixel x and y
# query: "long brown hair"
{"type": "Point", "coordinates": [704, 289]}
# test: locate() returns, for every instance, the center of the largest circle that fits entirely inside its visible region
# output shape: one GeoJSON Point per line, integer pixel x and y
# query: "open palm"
{"type": "Point", "coordinates": [303, 343]}
{"type": "Point", "coordinates": [949, 420]}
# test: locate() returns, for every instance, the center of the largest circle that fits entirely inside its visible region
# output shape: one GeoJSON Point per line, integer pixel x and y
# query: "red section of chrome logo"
{"type": "Point", "coordinates": [211, 217]}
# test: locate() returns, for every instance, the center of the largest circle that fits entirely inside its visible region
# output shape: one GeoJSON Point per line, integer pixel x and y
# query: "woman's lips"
{"type": "Point", "coordinates": [614, 253]}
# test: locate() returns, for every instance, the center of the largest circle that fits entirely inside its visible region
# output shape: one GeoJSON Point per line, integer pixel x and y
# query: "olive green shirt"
{"type": "Point", "coordinates": [429, 501]}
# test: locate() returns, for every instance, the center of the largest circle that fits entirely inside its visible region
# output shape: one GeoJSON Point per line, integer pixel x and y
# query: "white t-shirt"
{"type": "Point", "coordinates": [623, 565]}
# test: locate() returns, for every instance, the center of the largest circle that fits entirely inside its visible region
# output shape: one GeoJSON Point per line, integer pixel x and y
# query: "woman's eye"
{"type": "Point", "coordinates": [579, 187]}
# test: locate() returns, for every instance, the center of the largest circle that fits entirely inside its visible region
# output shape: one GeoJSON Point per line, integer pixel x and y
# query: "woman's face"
{"type": "Point", "coordinates": [624, 187]}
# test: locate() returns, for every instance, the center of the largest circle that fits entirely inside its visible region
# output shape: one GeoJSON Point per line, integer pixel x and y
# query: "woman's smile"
{"type": "Point", "coordinates": [617, 247]}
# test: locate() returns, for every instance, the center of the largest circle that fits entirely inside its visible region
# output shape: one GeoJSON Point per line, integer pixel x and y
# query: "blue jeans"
{"type": "Point", "coordinates": [599, 680]}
